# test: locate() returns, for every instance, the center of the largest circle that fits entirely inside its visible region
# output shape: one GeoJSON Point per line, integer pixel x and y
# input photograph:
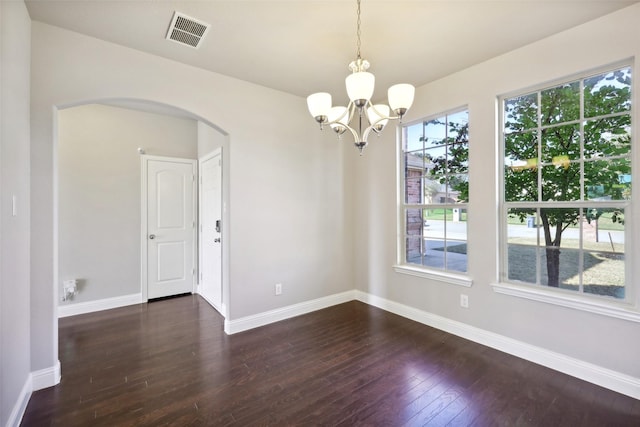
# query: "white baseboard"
{"type": "Point", "coordinates": [261, 319]}
{"type": "Point", "coordinates": [47, 377]}
{"type": "Point", "coordinates": [35, 381]}
{"type": "Point", "coordinates": [98, 305]}
{"type": "Point", "coordinates": [595, 374]}
{"type": "Point", "coordinates": [15, 418]}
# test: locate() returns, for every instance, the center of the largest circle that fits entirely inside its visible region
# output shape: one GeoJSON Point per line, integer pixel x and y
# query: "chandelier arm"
{"type": "Point", "coordinates": [350, 110]}
{"type": "Point", "coordinates": [383, 116]}
{"type": "Point", "coordinates": [367, 131]}
{"type": "Point", "coordinates": [354, 134]}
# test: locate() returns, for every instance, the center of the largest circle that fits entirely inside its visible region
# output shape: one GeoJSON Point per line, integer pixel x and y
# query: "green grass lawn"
{"type": "Point", "coordinates": [603, 270]}
{"type": "Point", "coordinates": [439, 214]}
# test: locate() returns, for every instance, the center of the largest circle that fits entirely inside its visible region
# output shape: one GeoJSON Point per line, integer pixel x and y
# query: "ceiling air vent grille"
{"type": "Point", "coordinates": [186, 30]}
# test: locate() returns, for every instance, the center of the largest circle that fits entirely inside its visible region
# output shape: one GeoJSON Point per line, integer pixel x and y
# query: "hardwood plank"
{"type": "Point", "coordinates": [170, 363]}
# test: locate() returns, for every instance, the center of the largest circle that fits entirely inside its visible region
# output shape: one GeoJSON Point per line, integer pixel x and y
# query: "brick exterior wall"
{"type": "Point", "coordinates": [414, 216]}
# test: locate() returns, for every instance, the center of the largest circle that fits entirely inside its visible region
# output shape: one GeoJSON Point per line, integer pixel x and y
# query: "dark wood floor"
{"type": "Point", "coordinates": [170, 363]}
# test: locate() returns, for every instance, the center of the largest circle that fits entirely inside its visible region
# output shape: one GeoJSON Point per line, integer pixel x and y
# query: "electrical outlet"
{"type": "Point", "coordinates": [278, 288]}
{"type": "Point", "coordinates": [464, 301]}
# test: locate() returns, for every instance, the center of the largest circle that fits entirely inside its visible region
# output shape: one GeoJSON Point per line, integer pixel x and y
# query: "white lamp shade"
{"type": "Point", "coordinates": [360, 85]}
{"type": "Point", "coordinates": [340, 115]}
{"type": "Point", "coordinates": [319, 104]}
{"type": "Point", "coordinates": [374, 117]}
{"type": "Point", "coordinates": [401, 96]}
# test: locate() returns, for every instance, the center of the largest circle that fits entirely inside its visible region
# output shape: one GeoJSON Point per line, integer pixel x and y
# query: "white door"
{"type": "Point", "coordinates": [211, 229]}
{"type": "Point", "coordinates": [170, 226]}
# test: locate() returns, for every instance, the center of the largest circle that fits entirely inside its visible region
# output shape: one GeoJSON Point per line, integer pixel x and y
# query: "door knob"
{"type": "Point", "coordinates": [152, 236]}
{"type": "Point", "coordinates": [216, 240]}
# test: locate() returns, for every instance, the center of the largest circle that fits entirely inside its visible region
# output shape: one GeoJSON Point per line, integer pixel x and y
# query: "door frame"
{"type": "Point", "coordinates": [144, 160]}
{"type": "Point", "coordinates": [217, 152]}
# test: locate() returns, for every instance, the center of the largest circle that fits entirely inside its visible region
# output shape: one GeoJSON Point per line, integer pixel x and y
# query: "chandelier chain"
{"type": "Point", "coordinates": [358, 31]}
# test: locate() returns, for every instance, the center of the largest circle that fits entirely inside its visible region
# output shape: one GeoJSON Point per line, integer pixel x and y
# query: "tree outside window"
{"type": "Point", "coordinates": [567, 184]}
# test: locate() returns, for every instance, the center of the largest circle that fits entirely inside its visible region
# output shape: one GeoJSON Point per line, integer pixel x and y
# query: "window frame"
{"type": "Point", "coordinates": [626, 308]}
{"type": "Point", "coordinates": [402, 266]}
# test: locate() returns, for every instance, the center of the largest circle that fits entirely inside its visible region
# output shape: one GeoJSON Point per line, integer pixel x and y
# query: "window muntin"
{"type": "Point", "coordinates": [567, 185]}
{"type": "Point", "coordinates": [435, 185]}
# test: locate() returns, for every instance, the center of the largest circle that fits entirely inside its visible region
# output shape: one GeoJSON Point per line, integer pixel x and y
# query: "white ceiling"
{"type": "Point", "coordinates": [304, 46]}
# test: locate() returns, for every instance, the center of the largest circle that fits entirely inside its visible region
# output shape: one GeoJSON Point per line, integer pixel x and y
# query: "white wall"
{"type": "Point", "coordinates": [604, 341]}
{"type": "Point", "coordinates": [99, 182]}
{"type": "Point", "coordinates": [15, 382]}
{"type": "Point", "coordinates": [286, 191]}
{"type": "Point", "coordinates": [210, 139]}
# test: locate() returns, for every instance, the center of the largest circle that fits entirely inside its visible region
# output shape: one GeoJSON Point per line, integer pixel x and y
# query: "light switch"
{"type": "Point", "coordinates": [14, 206]}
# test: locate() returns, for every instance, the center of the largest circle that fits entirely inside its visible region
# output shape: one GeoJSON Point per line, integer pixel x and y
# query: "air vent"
{"type": "Point", "coordinates": [186, 30]}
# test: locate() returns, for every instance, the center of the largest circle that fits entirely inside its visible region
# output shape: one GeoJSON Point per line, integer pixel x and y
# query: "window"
{"type": "Point", "coordinates": [566, 185]}
{"type": "Point", "coordinates": [435, 187]}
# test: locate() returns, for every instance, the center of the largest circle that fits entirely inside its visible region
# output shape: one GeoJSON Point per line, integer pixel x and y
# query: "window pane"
{"type": "Point", "coordinates": [521, 113]}
{"type": "Point", "coordinates": [607, 137]}
{"type": "Point", "coordinates": [521, 185]}
{"type": "Point", "coordinates": [414, 222]}
{"type": "Point", "coordinates": [607, 93]}
{"type": "Point", "coordinates": [459, 126]}
{"type": "Point", "coordinates": [434, 223]}
{"type": "Point", "coordinates": [521, 150]}
{"type": "Point", "coordinates": [560, 267]}
{"type": "Point", "coordinates": [603, 259]}
{"type": "Point", "coordinates": [434, 192]}
{"type": "Point", "coordinates": [604, 274]}
{"type": "Point", "coordinates": [522, 238]}
{"type": "Point", "coordinates": [413, 254]}
{"type": "Point", "coordinates": [560, 144]}
{"type": "Point", "coordinates": [560, 104]}
{"type": "Point", "coordinates": [456, 256]}
{"type": "Point", "coordinates": [413, 138]}
{"type": "Point", "coordinates": [561, 182]}
{"type": "Point", "coordinates": [414, 163]}
{"type": "Point", "coordinates": [458, 157]}
{"type": "Point", "coordinates": [458, 188]}
{"type": "Point", "coordinates": [434, 253]}
{"type": "Point", "coordinates": [560, 247]}
{"type": "Point", "coordinates": [413, 190]}
{"type": "Point", "coordinates": [435, 132]}
{"type": "Point", "coordinates": [607, 180]}
{"type": "Point", "coordinates": [456, 240]}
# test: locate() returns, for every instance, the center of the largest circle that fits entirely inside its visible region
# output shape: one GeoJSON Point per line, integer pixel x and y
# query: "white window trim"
{"type": "Point", "coordinates": [603, 307]}
{"type": "Point", "coordinates": [434, 274]}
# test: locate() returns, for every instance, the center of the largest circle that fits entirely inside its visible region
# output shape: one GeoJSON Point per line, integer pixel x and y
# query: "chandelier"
{"type": "Point", "coordinates": [360, 84]}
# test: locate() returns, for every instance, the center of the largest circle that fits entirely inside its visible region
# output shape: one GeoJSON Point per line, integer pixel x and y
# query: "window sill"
{"type": "Point", "coordinates": [617, 310]}
{"type": "Point", "coordinates": [454, 279]}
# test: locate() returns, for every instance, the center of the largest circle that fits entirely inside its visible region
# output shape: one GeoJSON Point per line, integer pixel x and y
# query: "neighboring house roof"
{"type": "Point", "coordinates": [417, 162]}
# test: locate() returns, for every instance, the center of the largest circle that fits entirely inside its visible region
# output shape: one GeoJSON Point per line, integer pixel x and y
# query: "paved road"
{"type": "Point", "coordinates": [458, 230]}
